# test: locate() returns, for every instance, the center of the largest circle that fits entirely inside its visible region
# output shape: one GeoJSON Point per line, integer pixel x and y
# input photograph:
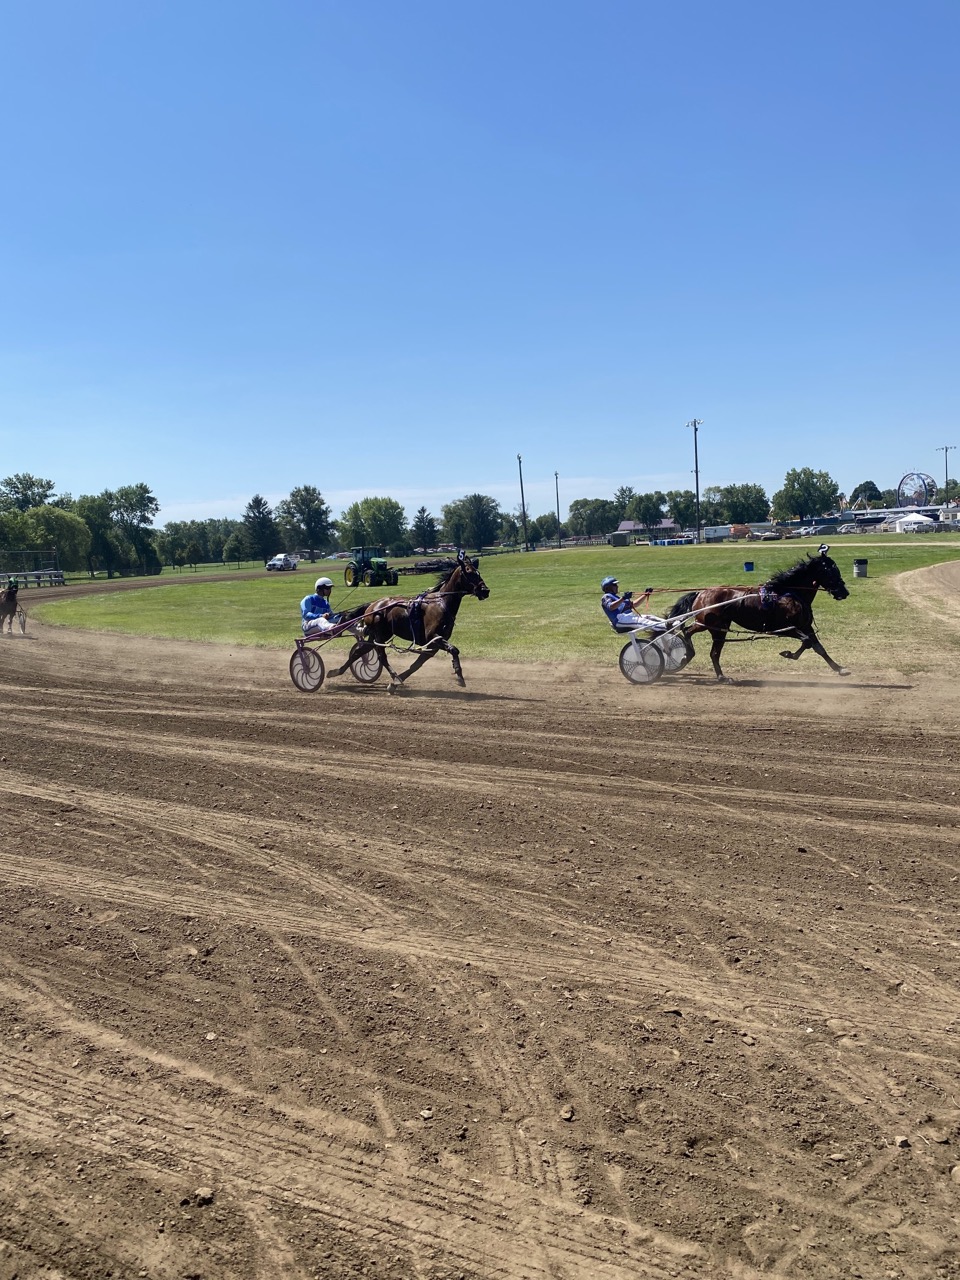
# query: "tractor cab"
{"type": "Point", "coordinates": [369, 566]}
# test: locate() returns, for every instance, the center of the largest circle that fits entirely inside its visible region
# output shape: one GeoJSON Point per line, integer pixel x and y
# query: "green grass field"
{"type": "Point", "coordinates": [543, 606]}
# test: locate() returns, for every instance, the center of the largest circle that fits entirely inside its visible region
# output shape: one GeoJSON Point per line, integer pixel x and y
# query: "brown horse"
{"type": "Point", "coordinates": [8, 605]}
{"type": "Point", "coordinates": [782, 606]}
{"type": "Point", "coordinates": [425, 623]}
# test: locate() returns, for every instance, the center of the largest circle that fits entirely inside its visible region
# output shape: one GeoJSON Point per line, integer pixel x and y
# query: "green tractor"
{"type": "Point", "coordinates": [369, 566]}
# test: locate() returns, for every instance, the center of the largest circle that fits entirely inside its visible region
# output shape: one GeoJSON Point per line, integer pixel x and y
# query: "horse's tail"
{"type": "Point", "coordinates": [684, 604]}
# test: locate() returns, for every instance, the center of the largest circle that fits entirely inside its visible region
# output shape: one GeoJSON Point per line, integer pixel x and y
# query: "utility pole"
{"type": "Point", "coordinates": [556, 481]}
{"type": "Point", "coordinates": [945, 450]}
{"type": "Point", "coordinates": [696, 423]}
{"type": "Point", "coordinates": [523, 505]}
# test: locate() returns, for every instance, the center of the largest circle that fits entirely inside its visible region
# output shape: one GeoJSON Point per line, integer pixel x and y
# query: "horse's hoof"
{"type": "Point", "coordinates": [724, 680]}
{"type": "Point", "coordinates": [461, 682]}
{"type": "Point", "coordinates": [844, 672]}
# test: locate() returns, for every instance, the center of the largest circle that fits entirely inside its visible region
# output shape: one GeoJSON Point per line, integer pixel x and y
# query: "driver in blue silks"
{"type": "Point", "coordinates": [316, 612]}
{"type": "Point", "coordinates": [620, 608]}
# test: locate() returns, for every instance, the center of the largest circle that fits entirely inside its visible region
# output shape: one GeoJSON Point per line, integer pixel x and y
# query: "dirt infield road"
{"type": "Point", "coordinates": [553, 977]}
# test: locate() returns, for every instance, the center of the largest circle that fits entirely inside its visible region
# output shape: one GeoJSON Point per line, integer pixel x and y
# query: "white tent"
{"type": "Point", "coordinates": [911, 523]}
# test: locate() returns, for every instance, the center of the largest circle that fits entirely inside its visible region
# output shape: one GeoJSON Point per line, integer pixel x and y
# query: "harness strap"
{"type": "Point", "coordinates": [415, 617]}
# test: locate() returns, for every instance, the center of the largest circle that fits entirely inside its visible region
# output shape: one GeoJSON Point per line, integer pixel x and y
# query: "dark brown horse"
{"type": "Point", "coordinates": [782, 606]}
{"type": "Point", "coordinates": [8, 605]}
{"type": "Point", "coordinates": [424, 624]}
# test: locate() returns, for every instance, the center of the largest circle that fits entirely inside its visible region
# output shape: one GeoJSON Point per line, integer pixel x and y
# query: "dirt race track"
{"type": "Point", "coordinates": [551, 977]}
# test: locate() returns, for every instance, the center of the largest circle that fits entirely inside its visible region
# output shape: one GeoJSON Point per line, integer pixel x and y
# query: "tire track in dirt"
{"type": "Point", "coordinates": [629, 966]}
{"type": "Point", "coordinates": [171, 821]}
{"type": "Point", "coordinates": [360, 1192]}
{"type": "Point", "coordinates": [664, 990]}
{"type": "Point", "coordinates": [871, 818]}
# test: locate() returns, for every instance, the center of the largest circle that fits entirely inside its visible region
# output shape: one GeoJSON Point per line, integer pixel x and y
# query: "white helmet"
{"type": "Point", "coordinates": [322, 582]}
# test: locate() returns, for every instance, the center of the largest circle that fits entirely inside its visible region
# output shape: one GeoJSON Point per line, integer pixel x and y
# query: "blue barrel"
{"type": "Point", "coordinates": [748, 566]}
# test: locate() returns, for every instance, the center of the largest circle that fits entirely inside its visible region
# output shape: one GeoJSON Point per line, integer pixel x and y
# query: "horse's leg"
{"type": "Point", "coordinates": [457, 669]}
{"type": "Point", "coordinates": [358, 649]}
{"type": "Point", "coordinates": [350, 656]}
{"type": "Point", "coordinates": [817, 647]}
{"type": "Point", "coordinates": [719, 636]}
{"type": "Point", "coordinates": [396, 677]}
{"type": "Point", "coordinates": [439, 643]}
{"type": "Point", "coordinates": [809, 641]}
{"type": "Point", "coordinates": [427, 652]}
{"type": "Point", "coordinates": [805, 643]}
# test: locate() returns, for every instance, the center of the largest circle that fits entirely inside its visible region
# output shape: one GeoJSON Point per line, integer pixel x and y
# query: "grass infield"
{"type": "Point", "coordinates": [543, 606]}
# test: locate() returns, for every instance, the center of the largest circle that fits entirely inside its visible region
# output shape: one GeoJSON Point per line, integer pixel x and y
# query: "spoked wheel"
{"type": "Point", "coordinates": [366, 667]}
{"type": "Point", "coordinates": [21, 621]}
{"type": "Point", "coordinates": [306, 669]}
{"type": "Point", "coordinates": [641, 663]}
{"type": "Point", "coordinates": [676, 649]}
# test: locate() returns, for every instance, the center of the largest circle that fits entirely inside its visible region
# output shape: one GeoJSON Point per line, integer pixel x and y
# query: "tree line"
{"type": "Point", "coordinates": [112, 532]}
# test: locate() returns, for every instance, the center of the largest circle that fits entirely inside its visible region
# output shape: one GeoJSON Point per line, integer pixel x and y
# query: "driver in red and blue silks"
{"type": "Point", "coordinates": [620, 608]}
{"type": "Point", "coordinates": [316, 613]}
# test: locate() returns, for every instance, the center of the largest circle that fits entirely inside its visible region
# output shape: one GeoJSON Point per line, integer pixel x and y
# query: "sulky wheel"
{"type": "Point", "coordinates": [641, 663]}
{"type": "Point", "coordinates": [306, 669]}
{"type": "Point", "coordinates": [676, 649]}
{"type": "Point", "coordinates": [366, 667]}
{"type": "Point", "coordinates": [21, 620]}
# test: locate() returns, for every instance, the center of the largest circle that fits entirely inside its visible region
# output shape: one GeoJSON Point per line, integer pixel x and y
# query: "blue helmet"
{"type": "Point", "coordinates": [607, 583]}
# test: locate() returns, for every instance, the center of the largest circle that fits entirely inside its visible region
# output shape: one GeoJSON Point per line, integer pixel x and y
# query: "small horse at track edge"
{"type": "Point", "coordinates": [783, 605]}
{"type": "Point", "coordinates": [424, 624]}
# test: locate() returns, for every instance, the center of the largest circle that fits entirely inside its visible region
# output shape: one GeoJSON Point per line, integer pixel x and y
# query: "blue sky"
{"type": "Point", "coordinates": [384, 247]}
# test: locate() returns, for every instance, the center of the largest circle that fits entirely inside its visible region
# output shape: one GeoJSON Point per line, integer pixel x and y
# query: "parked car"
{"type": "Point", "coordinates": [771, 535]}
{"type": "Point", "coordinates": [282, 562]}
{"type": "Point", "coordinates": [821, 531]}
{"type": "Point", "coordinates": [847, 528]}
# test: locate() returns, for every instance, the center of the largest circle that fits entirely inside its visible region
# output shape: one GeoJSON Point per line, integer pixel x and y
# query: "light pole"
{"type": "Point", "coordinates": [556, 481]}
{"type": "Point", "coordinates": [696, 423]}
{"type": "Point", "coordinates": [945, 450]}
{"type": "Point", "coordinates": [523, 505]}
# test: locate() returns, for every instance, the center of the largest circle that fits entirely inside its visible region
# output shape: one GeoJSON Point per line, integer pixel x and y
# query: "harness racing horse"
{"type": "Point", "coordinates": [782, 606]}
{"type": "Point", "coordinates": [425, 623]}
{"type": "Point", "coordinates": [8, 605]}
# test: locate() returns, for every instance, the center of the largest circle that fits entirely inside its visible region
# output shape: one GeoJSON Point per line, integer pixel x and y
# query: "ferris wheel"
{"type": "Point", "coordinates": [916, 490]}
